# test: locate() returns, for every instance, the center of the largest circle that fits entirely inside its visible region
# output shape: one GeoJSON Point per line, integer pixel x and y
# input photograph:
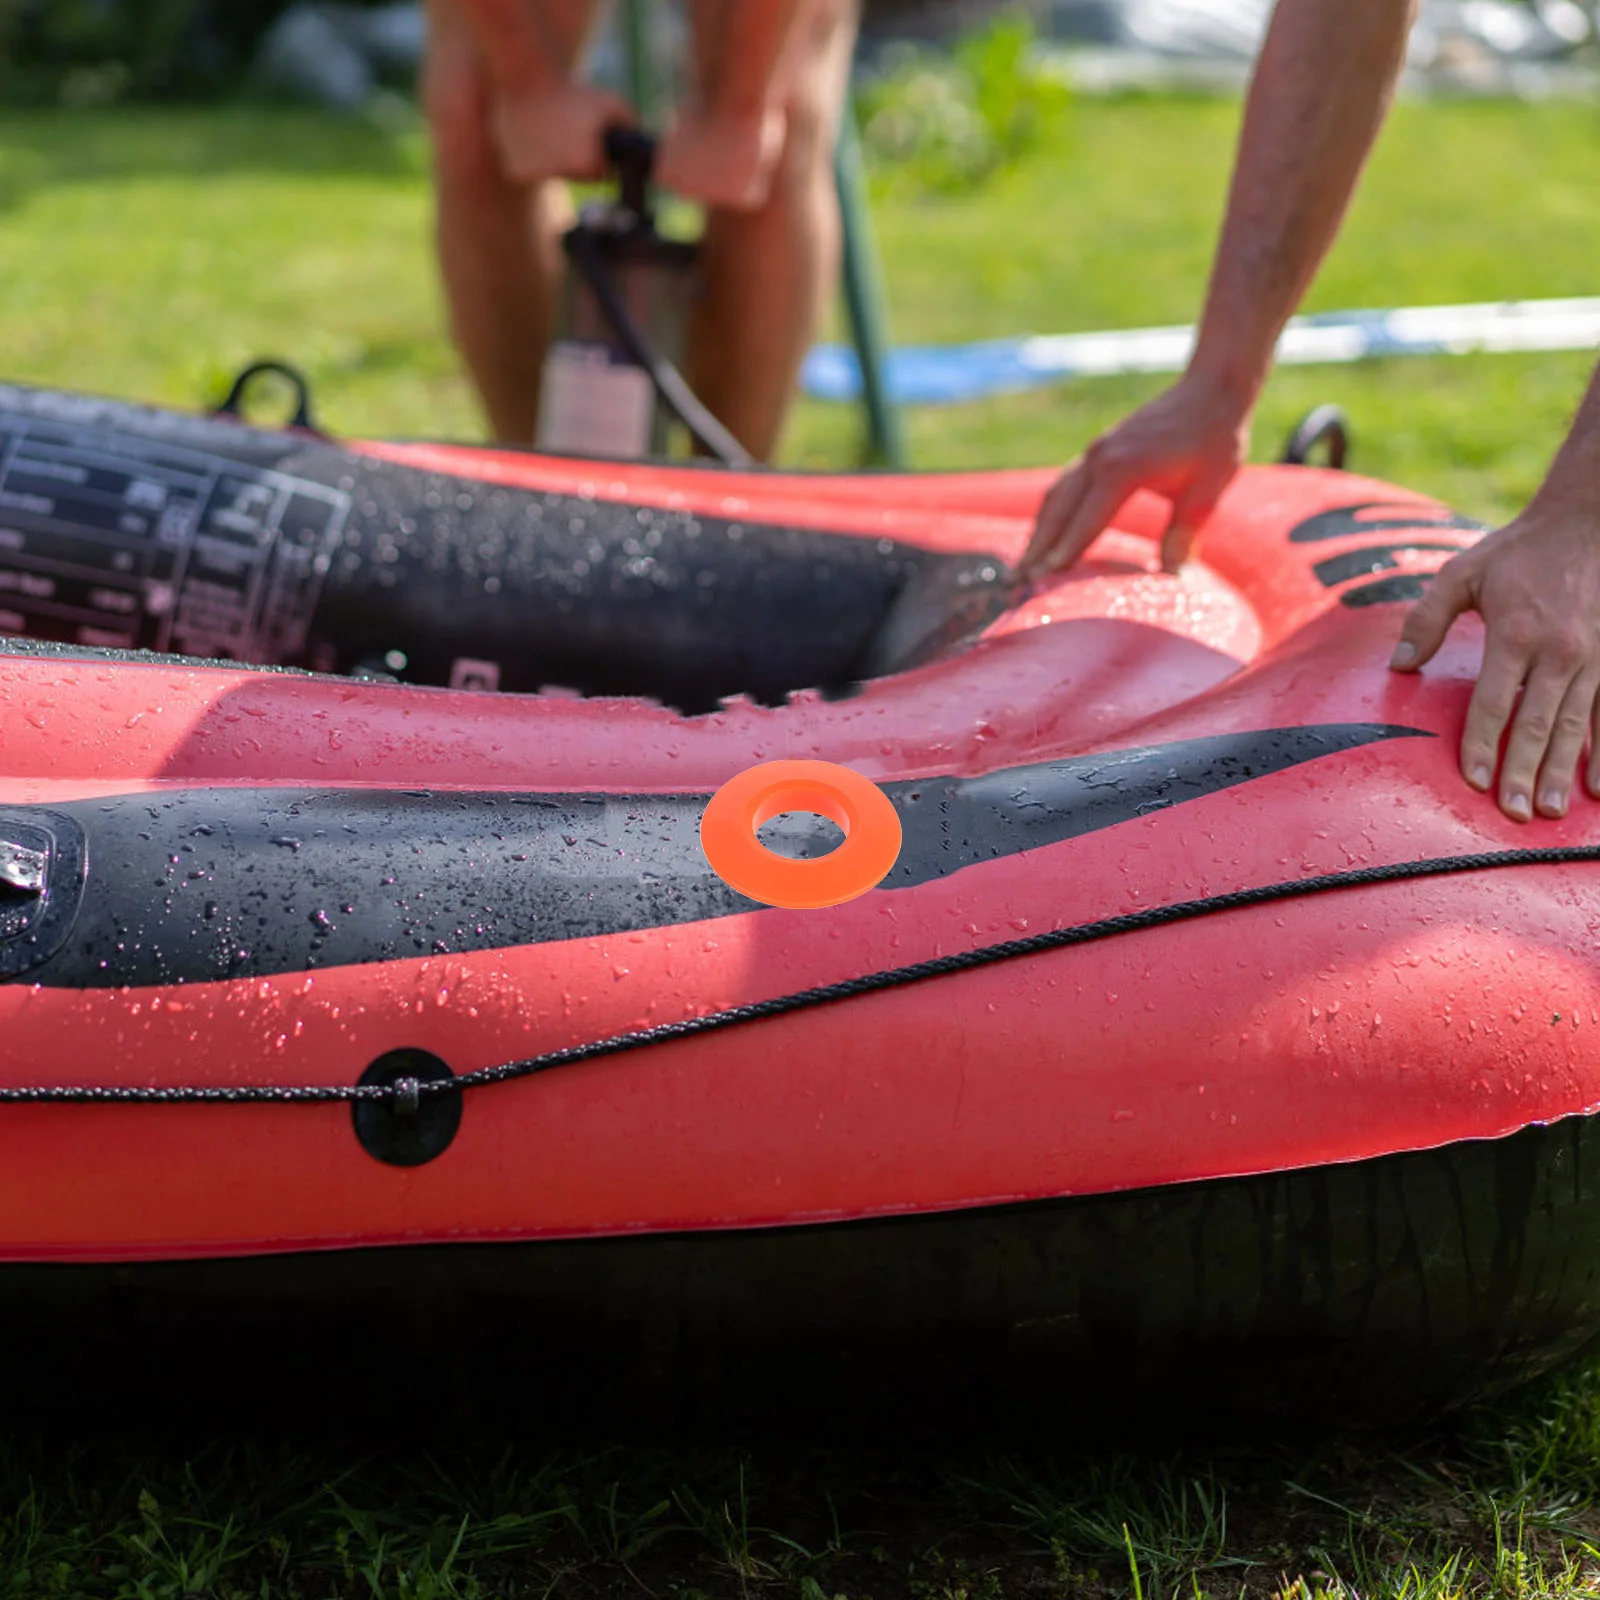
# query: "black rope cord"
{"type": "Point", "coordinates": [408, 1092]}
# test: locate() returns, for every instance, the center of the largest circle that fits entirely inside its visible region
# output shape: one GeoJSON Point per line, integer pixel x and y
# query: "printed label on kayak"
{"type": "Point", "coordinates": [115, 540]}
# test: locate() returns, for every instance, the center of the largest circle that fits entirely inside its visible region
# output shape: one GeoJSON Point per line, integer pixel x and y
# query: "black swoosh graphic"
{"type": "Point", "coordinates": [1383, 591]}
{"type": "Point", "coordinates": [209, 884]}
{"type": "Point", "coordinates": [1342, 522]}
{"type": "Point", "coordinates": [1374, 558]}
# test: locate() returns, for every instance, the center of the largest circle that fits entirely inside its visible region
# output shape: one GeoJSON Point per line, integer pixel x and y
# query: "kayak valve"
{"type": "Point", "coordinates": [22, 870]}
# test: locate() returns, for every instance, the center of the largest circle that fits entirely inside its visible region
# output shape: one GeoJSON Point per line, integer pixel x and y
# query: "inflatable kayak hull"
{"type": "Point", "coordinates": [1195, 934]}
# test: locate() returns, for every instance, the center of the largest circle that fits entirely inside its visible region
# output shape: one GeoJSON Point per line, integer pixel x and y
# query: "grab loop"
{"type": "Point", "coordinates": [1326, 424]}
{"type": "Point", "coordinates": [233, 406]}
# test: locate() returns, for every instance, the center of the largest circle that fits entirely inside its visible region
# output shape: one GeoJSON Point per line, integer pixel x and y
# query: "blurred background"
{"type": "Point", "coordinates": [186, 185]}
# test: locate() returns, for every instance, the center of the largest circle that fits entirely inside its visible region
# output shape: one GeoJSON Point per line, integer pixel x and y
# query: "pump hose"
{"type": "Point", "coordinates": [669, 382]}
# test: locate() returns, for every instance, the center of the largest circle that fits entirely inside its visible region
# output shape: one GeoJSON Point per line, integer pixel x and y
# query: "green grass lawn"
{"type": "Point", "coordinates": [1502, 1505]}
{"type": "Point", "coordinates": [149, 255]}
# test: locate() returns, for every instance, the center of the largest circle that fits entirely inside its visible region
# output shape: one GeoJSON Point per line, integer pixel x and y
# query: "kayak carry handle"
{"type": "Point", "coordinates": [1326, 424]}
{"type": "Point", "coordinates": [233, 405]}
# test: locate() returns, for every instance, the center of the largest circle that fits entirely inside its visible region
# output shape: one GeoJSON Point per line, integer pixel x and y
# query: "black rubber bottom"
{"type": "Point", "coordinates": [1365, 1296]}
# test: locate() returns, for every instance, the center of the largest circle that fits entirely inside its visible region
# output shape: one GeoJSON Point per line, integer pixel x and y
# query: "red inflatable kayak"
{"type": "Point", "coordinates": [1204, 1013]}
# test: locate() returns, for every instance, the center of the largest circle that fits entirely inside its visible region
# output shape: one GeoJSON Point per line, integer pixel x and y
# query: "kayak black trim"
{"type": "Point", "coordinates": [203, 885]}
{"type": "Point", "coordinates": [129, 528]}
{"type": "Point", "coordinates": [1344, 522]}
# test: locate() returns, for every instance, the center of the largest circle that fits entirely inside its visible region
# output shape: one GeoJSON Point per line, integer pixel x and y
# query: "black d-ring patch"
{"type": "Point", "coordinates": [407, 1129]}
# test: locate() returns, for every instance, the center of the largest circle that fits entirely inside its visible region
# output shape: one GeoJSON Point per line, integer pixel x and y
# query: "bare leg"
{"type": "Point", "coordinates": [771, 273]}
{"type": "Point", "coordinates": [498, 240]}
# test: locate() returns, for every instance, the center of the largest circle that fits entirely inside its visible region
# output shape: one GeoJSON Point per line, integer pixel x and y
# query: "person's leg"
{"type": "Point", "coordinates": [498, 240]}
{"type": "Point", "coordinates": [770, 274]}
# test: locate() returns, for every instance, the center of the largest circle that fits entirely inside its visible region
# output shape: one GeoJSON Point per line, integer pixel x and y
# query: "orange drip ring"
{"type": "Point", "coordinates": [870, 822]}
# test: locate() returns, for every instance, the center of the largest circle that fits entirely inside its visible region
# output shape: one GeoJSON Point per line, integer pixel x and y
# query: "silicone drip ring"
{"type": "Point", "coordinates": [872, 834]}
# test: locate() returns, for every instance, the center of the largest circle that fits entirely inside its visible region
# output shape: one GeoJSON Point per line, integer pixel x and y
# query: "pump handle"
{"type": "Point", "coordinates": [632, 151]}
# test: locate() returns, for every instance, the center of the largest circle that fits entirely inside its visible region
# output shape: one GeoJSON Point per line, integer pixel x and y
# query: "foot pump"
{"type": "Point", "coordinates": [610, 386]}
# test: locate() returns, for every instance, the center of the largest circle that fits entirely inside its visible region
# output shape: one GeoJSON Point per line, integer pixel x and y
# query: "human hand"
{"type": "Point", "coordinates": [723, 158]}
{"type": "Point", "coordinates": [556, 131]}
{"type": "Point", "coordinates": [1185, 445]}
{"type": "Point", "coordinates": [1536, 583]}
